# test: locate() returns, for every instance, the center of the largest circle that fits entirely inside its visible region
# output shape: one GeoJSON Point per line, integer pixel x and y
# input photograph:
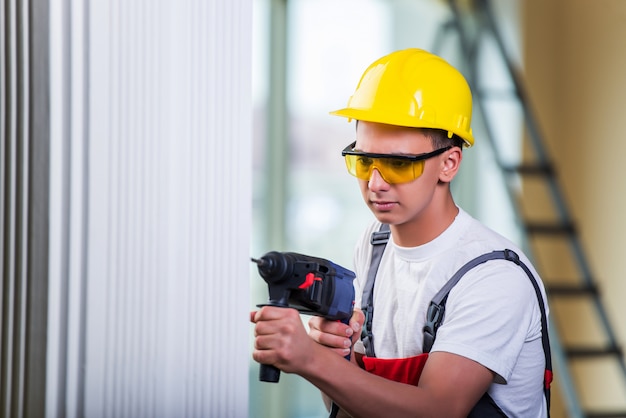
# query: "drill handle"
{"type": "Point", "coordinates": [267, 372]}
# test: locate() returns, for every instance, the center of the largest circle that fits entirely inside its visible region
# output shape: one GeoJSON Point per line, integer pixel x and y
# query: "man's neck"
{"type": "Point", "coordinates": [428, 226]}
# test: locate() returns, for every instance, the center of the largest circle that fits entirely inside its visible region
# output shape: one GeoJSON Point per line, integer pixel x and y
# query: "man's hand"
{"type": "Point", "coordinates": [281, 339]}
{"type": "Point", "coordinates": [337, 335]}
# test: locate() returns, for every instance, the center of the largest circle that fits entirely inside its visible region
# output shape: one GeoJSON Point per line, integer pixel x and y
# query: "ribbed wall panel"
{"type": "Point", "coordinates": [158, 237]}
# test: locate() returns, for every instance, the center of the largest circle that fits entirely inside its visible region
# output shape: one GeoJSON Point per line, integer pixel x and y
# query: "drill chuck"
{"type": "Point", "coordinates": [275, 266]}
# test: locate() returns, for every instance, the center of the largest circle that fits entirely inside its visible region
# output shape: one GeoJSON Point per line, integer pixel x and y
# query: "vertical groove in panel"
{"type": "Point", "coordinates": [160, 243]}
{"type": "Point", "coordinates": [222, 114]}
{"type": "Point", "coordinates": [11, 327]}
{"type": "Point", "coordinates": [21, 214]}
{"type": "Point", "coordinates": [120, 244]}
{"type": "Point", "coordinates": [16, 326]}
{"type": "Point", "coordinates": [82, 135]}
{"type": "Point", "coordinates": [4, 165]}
{"type": "Point", "coordinates": [209, 17]}
{"type": "Point", "coordinates": [21, 218]}
{"type": "Point", "coordinates": [113, 281]}
{"type": "Point", "coordinates": [67, 210]}
{"type": "Point", "coordinates": [4, 141]}
{"type": "Point", "coordinates": [65, 389]}
{"type": "Point", "coordinates": [203, 278]}
{"type": "Point", "coordinates": [59, 177]}
{"type": "Point", "coordinates": [132, 243]}
{"type": "Point", "coordinates": [8, 235]}
{"type": "Point", "coordinates": [147, 314]}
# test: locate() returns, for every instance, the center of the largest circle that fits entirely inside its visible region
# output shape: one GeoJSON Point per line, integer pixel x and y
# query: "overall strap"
{"type": "Point", "coordinates": [379, 242]}
{"type": "Point", "coordinates": [436, 310]}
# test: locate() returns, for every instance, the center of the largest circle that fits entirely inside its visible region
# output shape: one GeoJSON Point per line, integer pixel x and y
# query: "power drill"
{"type": "Point", "coordinates": [313, 286]}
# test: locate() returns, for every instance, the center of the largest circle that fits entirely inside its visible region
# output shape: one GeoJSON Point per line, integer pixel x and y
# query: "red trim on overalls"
{"type": "Point", "coordinates": [547, 378]}
{"type": "Point", "coordinates": [403, 370]}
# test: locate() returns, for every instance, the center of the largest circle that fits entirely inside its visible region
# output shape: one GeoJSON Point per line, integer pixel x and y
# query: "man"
{"type": "Point", "coordinates": [413, 113]}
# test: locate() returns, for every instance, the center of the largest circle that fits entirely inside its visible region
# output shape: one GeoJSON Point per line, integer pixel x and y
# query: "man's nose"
{"type": "Point", "coordinates": [376, 181]}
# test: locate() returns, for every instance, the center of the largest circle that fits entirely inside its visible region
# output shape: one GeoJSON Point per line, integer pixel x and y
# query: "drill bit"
{"type": "Point", "coordinates": [259, 262]}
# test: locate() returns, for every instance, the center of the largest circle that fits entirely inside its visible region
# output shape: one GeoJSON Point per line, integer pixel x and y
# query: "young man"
{"type": "Point", "coordinates": [413, 113]}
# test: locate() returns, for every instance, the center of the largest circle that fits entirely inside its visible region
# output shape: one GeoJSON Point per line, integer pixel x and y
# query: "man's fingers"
{"type": "Point", "coordinates": [332, 334]}
{"type": "Point", "coordinates": [268, 313]}
{"type": "Point", "coordinates": [356, 323]}
{"type": "Point", "coordinates": [330, 327]}
{"type": "Point", "coordinates": [331, 340]}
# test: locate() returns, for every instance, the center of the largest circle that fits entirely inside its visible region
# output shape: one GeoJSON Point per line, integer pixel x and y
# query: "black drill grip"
{"type": "Point", "coordinates": [269, 373]}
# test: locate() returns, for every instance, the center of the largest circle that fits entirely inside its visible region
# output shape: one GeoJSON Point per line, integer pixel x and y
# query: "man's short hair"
{"type": "Point", "coordinates": [439, 138]}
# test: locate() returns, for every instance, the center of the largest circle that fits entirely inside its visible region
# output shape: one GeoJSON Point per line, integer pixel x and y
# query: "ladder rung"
{"type": "Point", "coordinates": [588, 352]}
{"type": "Point", "coordinates": [531, 169]}
{"type": "Point", "coordinates": [572, 290]}
{"type": "Point", "coordinates": [550, 228]}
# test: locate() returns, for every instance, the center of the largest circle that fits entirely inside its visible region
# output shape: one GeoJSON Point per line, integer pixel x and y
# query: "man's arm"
{"type": "Point", "coordinates": [450, 384]}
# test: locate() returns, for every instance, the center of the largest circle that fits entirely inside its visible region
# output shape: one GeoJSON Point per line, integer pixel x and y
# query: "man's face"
{"type": "Point", "coordinates": [399, 203]}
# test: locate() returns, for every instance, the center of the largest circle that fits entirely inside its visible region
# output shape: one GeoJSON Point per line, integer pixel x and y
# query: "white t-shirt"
{"type": "Point", "coordinates": [492, 314]}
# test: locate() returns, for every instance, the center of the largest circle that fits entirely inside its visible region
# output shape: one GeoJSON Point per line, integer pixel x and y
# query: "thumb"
{"type": "Point", "coordinates": [356, 323]}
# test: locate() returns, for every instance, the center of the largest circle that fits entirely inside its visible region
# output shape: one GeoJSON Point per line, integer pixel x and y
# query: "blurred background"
{"type": "Point", "coordinates": [149, 148]}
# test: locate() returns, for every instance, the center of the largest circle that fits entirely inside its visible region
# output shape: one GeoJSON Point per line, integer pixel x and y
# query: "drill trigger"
{"type": "Point", "coordinates": [308, 282]}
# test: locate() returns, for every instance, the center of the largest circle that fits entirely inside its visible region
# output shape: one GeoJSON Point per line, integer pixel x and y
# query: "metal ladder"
{"type": "Point", "coordinates": [475, 28]}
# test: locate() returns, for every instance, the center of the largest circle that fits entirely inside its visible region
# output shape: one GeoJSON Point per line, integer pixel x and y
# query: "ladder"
{"type": "Point", "coordinates": [475, 29]}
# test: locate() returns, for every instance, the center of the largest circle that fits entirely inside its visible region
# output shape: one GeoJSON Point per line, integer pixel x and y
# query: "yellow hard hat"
{"type": "Point", "coordinates": [414, 88]}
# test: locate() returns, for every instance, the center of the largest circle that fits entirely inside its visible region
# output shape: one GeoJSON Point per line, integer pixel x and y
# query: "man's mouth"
{"type": "Point", "coordinates": [383, 205]}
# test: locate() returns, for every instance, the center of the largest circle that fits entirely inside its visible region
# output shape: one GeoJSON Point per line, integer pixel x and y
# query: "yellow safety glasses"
{"type": "Point", "coordinates": [392, 168]}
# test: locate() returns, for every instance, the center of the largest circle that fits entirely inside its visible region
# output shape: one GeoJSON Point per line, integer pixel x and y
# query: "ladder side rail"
{"type": "Point", "coordinates": [469, 51]}
{"type": "Point", "coordinates": [532, 125]}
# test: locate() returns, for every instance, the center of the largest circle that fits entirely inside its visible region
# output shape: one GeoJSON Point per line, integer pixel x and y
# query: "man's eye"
{"type": "Point", "coordinates": [399, 164]}
{"type": "Point", "coordinates": [364, 161]}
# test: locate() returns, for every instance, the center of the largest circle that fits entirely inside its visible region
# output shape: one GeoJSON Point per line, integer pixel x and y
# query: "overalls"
{"type": "Point", "coordinates": [409, 370]}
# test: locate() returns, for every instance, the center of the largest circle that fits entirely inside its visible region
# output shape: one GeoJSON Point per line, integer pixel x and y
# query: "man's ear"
{"type": "Point", "coordinates": [450, 164]}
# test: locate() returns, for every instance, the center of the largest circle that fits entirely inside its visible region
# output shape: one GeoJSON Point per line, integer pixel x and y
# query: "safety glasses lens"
{"type": "Point", "coordinates": [392, 170]}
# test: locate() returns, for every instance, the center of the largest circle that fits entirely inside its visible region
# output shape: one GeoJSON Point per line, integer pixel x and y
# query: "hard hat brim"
{"type": "Point", "coordinates": [366, 115]}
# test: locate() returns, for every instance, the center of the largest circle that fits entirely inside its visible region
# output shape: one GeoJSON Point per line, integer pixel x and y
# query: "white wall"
{"type": "Point", "coordinates": [150, 208]}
